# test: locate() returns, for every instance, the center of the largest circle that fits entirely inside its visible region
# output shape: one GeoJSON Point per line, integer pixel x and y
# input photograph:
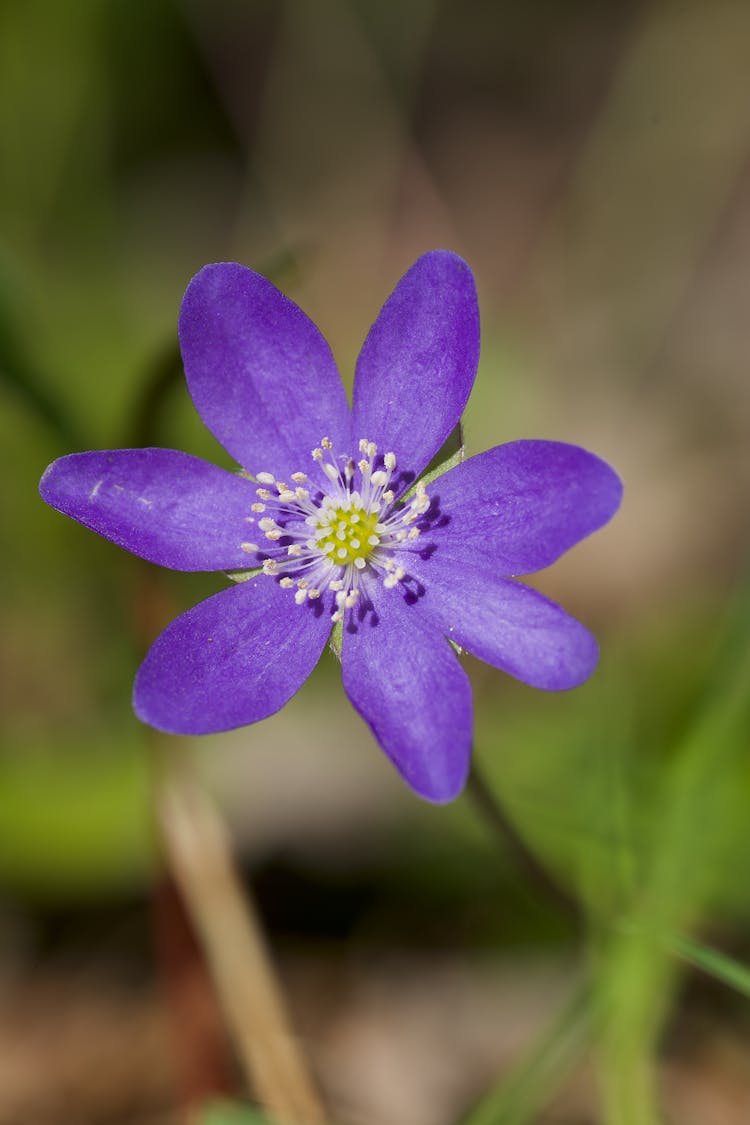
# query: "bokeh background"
{"type": "Point", "coordinates": [591, 160]}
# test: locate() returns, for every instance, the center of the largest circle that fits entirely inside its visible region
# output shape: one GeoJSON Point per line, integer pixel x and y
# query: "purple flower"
{"type": "Point", "coordinates": [330, 514]}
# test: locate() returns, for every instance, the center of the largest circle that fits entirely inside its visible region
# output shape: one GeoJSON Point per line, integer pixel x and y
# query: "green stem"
{"type": "Point", "coordinates": [524, 859]}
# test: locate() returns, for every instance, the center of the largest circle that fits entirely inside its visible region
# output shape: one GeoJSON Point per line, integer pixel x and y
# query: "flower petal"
{"type": "Point", "coordinates": [231, 660]}
{"type": "Point", "coordinates": [406, 683]}
{"type": "Point", "coordinates": [418, 363]}
{"type": "Point", "coordinates": [165, 506]}
{"type": "Point", "coordinates": [518, 507]}
{"type": "Point", "coordinates": [260, 373]}
{"type": "Point", "coordinates": [502, 622]}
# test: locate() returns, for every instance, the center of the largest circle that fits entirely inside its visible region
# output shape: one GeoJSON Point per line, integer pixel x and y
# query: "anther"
{"type": "Point", "coordinates": [265, 478]}
{"type": "Point", "coordinates": [251, 548]}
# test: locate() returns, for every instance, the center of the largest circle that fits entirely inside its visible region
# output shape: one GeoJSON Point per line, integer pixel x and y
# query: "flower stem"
{"type": "Point", "coordinates": [198, 854]}
{"type": "Point", "coordinates": [495, 816]}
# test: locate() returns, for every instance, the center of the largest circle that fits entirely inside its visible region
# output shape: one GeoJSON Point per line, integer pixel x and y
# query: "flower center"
{"type": "Point", "coordinates": [322, 539]}
{"type": "Point", "coordinates": [346, 535]}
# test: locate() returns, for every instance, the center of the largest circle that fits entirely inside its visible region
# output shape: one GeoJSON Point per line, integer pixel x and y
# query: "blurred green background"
{"type": "Point", "coordinates": [591, 160]}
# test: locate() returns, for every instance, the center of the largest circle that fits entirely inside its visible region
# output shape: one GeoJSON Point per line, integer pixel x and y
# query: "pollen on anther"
{"type": "Point", "coordinates": [251, 548]}
{"type": "Point", "coordinates": [265, 478]}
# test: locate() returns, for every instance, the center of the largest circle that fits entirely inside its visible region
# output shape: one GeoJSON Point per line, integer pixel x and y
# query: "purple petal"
{"type": "Point", "coordinates": [520, 506]}
{"type": "Point", "coordinates": [408, 686]}
{"type": "Point", "coordinates": [261, 375]}
{"type": "Point", "coordinates": [418, 363]}
{"type": "Point", "coordinates": [502, 622]}
{"type": "Point", "coordinates": [168, 507]}
{"type": "Point", "coordinates": [231, 660]}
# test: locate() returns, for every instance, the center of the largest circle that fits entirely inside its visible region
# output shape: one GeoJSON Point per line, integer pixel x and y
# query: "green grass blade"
{"type": "Point", "coordinates": [717, 965]}
{"type": "Point", "coordinates": [529, 1085]}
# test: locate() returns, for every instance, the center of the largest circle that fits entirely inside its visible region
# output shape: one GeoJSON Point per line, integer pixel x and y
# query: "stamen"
{"type": "Point", "coordinates": [337, 530]}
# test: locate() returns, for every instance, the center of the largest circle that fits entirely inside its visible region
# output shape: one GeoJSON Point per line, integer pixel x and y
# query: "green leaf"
{"type": "Point", "coordinates": [18, 372]}
{"type": "Point", "coordinates": [335, 641]}
{"type": "Point", "coordinates": [231, 1113]}
{"type": "Point", "coordinates": [450, 454]}
{"type": "Point", "coordinates": [716, 964]}
{"type": "Point", "coordinates": [243, 575]}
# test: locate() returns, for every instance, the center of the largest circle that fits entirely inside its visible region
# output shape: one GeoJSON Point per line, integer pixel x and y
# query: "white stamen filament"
{"type": "Point", "coordinates": [334, 534]}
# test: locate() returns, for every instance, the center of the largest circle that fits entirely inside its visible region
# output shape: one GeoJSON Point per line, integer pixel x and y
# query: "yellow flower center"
{"type": "Point", "coordinates": [347, 535]}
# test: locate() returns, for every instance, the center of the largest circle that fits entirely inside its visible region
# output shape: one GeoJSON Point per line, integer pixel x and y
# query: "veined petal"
{"type": "Point", "coordinates": [518, 507]}
{"type": "Point", "coordinates": [406, 683]}
{"type": "Point", "coordinates": [418, 363]}
{"type": "Point", "coordinates": [165, 506]}
{"type": "Point", "coordinates": [260, 373]}
{"type": "Point", "coordinates": [503, 622]}
{"type": "Point", "coordinates": [231, 660]}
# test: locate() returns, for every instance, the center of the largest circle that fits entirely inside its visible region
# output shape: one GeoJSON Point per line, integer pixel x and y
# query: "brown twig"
{"type": "Point", "coordinates": [198, 854]}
